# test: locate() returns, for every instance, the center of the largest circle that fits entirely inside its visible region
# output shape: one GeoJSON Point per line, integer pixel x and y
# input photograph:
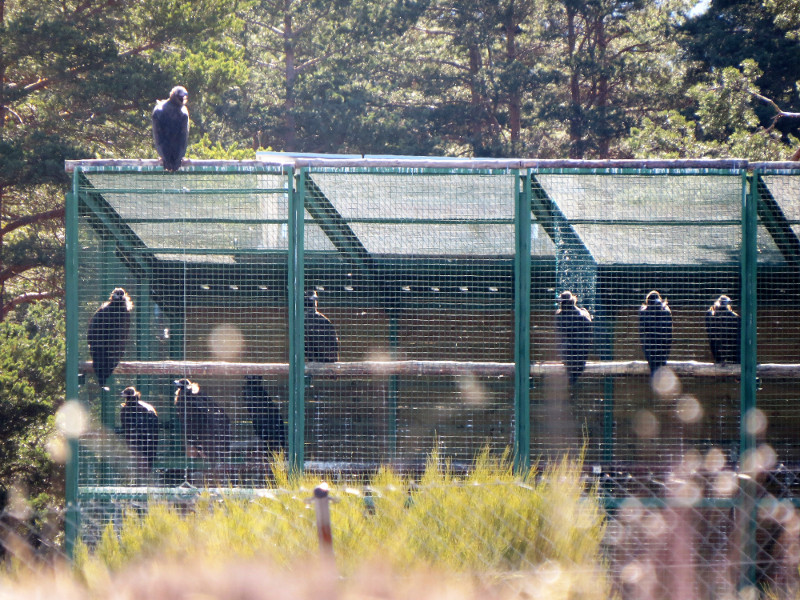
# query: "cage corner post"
{"type": "Point", "coordinates": [295, 291]}
{"type": "Point", "coordinates": [748, 547]}
{"type": "Point", "coordinates": [522, 321]}
{"type": "Point", "coordinates": [72, 517]}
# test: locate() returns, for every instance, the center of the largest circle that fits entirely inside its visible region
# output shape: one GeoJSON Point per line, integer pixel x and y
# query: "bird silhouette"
{"type": "Point", "coordinates": [139, 422]}
{"type": "Point", "coordinates": [723, 327]}
{"type": "Point", "coordinates": [171, 128]}
{"type": "Point", "coordinates": [206, 427]}
{"type": "Point", "coordinates": [575, 334]}
{"type": "Point", "coordinates": [321, 342]}
{"type": "Point", "coordinates": [655, 330]}
{"type": "Point", "coordinates": [265, 414]}
{"type": "Point", "coordinates": [108, 334]}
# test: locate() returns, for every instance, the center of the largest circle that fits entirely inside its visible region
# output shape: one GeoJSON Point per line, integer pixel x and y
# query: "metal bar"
{"type": "Point", "coordinates": [644, 171]}
{"type": "Point", "coordinates": [423, 221]}
{"type": "Point", "coordinates": [604, 336]}
{"type": "Point", "coordinates": [364, 220]}
{"type": "Point", "coordinates": [123, 234]}
{"type": "Point", "coordinates": [522, 322]}
{"type": "Point", "coordinates": [747, 438]}
{"type": "Point", "coordinates": [333, 225]}
{"type": "Point", "coordinates": [659, 222]}
{"type": "Point", "coordinates": [72, 519]}
{"type": "Point", "coordinates": [202, 220]}
{"type": "Point", "coordinates": [776, 223]}
{"type": "Point", "coordinates": [393, 391]}
{"type": "Point", "coordinates": [556, 225]}
{"type": "Point", "coordinates": [284, 161]}
{"type": "Point", "coordinates": [107, 282]}
{"type": "Point", "coordinates": [141, 191]}
{"type": "Point", "coordinates": [153, 166]}
{"type": "Point", "coordinates": [323, 513]}
{"type": "Point", "coordinates": [295, 293]}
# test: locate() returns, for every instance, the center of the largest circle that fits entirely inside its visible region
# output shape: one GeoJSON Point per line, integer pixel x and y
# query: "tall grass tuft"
{"type": "Point", "coordinates": [488, 522]}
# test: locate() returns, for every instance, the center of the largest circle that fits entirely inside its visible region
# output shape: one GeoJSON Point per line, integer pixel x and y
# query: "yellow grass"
{"type": "Point", "coordinates": [488, 534]}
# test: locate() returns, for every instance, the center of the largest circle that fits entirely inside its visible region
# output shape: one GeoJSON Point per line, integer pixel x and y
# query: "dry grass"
{"type": "Point", "coordinates": [490, 534]}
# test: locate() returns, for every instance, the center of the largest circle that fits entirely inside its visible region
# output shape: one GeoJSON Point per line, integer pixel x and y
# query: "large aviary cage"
{"type": "Point", "coordinates": [441, 278]}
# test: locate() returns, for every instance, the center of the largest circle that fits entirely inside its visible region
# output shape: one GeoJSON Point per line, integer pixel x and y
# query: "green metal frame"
{"type": "Point", "coordinates": [748, 487]}
{"type": "Point", "coordinates": [72, 518]}
{"type": "Point", "coordinates": [296, 294]}
{"type": "Point", "coordinates": [530, 202]}
{"type": "Point", "coordinates": [522, 322]}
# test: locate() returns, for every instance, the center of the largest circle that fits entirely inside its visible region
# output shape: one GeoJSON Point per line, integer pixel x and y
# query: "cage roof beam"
{"type": "Point", "coordinates": [776, 223]}
{"type": "Point", "coordinates": [333, 225]}
{"type": "Point", "coordinates": [553, 221]}
{"type": "Point", "coordinates": [128, 242]}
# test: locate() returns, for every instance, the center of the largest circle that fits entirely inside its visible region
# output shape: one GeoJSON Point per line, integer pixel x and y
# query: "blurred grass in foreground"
{"type": "Point", "coordinates": [490, 530]}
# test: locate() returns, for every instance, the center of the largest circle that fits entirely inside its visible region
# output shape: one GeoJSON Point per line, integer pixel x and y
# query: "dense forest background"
{"type": "Point", "coordinates": [482, 78]}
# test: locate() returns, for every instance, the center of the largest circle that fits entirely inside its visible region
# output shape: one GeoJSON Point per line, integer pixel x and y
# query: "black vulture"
{"type": "Point", "coordinates": [206, 427]}
{"type": "Point", "coordinates": [108, 334]}
{"type": "Point", "coordinates": [321, 343]}
{"type": "Point", "coordinates": [723, 327]}
{"type": "Point", "coordinates": [575, 334]}
{"type": "Point", "coordinates": [139, 426]}
{"type": "Point", "coordinates": [171, 128]}
{"type": "Point", "coordinates": [264, 411]}
{"type": "Point", "coordinates": [655, 330]}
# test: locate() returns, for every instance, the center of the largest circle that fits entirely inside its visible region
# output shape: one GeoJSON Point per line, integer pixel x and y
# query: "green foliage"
{"type": "Point", "coordinates": [204, 148]}
{"type": "Point", "coordinates": [489, 521]}
{"type": "Point", "coordinates": [31, 388]}
{"type": "Point", "coordinates": [733, 32]}
{"type": "Point", "coordinates": [725, 123]}
{"type": "Point", "coordinates": [787, 15]}
{"type": "Point", "coordinates": [78, 80]}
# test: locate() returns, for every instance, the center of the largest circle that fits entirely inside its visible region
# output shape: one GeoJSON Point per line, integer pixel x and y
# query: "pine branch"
{"type": "Point", "coordinates": [56, 213]}
{"type": "Point", "coordinates": [27, 298]}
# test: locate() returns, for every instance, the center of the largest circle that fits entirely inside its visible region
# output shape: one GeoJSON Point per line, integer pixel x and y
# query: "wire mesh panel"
{"type": "Point", "coordinates": [201, 259]}
{"type": "Point", "coordinates": [411, 267]}
{"type": "Point", "coordinates": [620, 236]}
{"type": "Point", "coordinates": [774, 421]}
{"type": "Point", "coordinates": [645, 253]}
{"type": "Point", "coordinates": [409, 284]}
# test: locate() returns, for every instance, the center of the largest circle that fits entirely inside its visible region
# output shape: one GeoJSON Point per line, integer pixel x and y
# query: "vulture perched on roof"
{"type": "Point", "coordinates": [171, 128]}
{"type": "Point", "coordinates": [723, 327]}
{"type": "Point", "coordinates": [655, 330]}
{"type": "Point", "coordinates": [206, 427]}
{"type": "Point", "coordinates": [108, 334]}
{"type": "Point", "coordinates": [575, 334]}
{"type": "Point", "coordinates": [321, 343]}
{"type": "Point", "coordinates": [139, 426]}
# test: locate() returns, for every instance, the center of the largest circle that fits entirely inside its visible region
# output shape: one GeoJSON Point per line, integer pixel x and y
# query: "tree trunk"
{"type": "Point", "coordinates": [476, 121]}
{"type": "Point", "coordinates": [2, 124]}
{"type": "Point", "coordinates": [290, 133]}
{"type": "Point", "coordinates": [514, 100]}
{"type": "Point", "coordinates": [604, 138]}
{"type": "Point", "coordinates": [576, 112]}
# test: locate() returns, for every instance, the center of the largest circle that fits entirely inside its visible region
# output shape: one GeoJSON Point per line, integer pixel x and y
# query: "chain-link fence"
{"type": "Point", "coordinates": [355, 313]}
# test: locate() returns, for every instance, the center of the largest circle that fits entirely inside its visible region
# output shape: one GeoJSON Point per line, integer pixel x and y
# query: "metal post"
{"type": "Point", "coordinates": [747, 439]}
{"type": "Point", "coordinates": [106, 396]}
{"type": "Point", "coordinates": [296, 301]}
{"type": "Point", "coordinates": [322, 509]}
{"type": "Point", "coordinates": [522, 321]}
{"type": "Point", "coordinates": [72, 521]}
{"type": "Point", "coordinates": [604, 334]}
{"type": "Point", "coordinates": [393, 392]}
